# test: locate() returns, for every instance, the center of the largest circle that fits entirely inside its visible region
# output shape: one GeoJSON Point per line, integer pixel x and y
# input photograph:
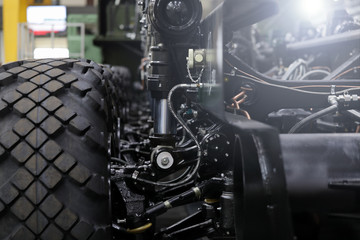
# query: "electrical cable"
{"type": "Point", "coordinates": [134, 150]}
{"type": "Point", "coordinates": [325, 86]}
{"type": "Point", "coordinates": [179, 177]}
{"type": "Point", "coordinates": [256, 79]}
{"type": "Point", "coordinates": [118, 160]}
{"type": "Point", "coordinates": [296, 89]}
{"type": "Point", "coordinates": [139, 229]}
{"type": "Point", "coordinates": [312, 117]}
{"type": "Point", "coordinates": [168, 184]}
{"type": "Point", "coordinates": [183, 137]}
{"type": "Point", "coordinates": [191, 78]}
{"type": "Point", "coordinates": [295, 70]}
{"type": "Point", "coordinates": [345, 72]}
{"type": "Point", "coordinates": [321, 67]}
{"type": "Point", "coordinates": [171, 108]}
{"type": "Point", "coordinates": [317, 71]}
{"type": "Point", "coordinates": [189, 148]}
{"type": "Point", "coordinates": [186, 143]}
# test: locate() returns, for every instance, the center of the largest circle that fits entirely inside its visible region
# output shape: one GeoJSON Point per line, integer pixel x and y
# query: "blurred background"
{"type": "Point", "coordinates": [100, 29]}
{"type": "Point", "coordinates": [48, 28]}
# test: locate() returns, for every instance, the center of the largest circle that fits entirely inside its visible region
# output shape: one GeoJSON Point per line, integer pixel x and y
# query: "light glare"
{"type": "Point", "coordinates": [311, 8]}
{"type": "Point", "coordinates": [51, 53]}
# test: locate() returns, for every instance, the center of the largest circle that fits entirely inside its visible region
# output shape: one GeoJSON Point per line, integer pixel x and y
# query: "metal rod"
{"type": "Point", "coordinates": [19, 41]}
{"type": "Point", "coordinates": [52, 36]}
{"type": "Point", "coordinates": [32, 44]}
{"type": "Point", "coordinates": [82, 37]}
{"type": "Point", "coordinates": [338, 39]}
{"type": "Point", "coordinates": [2, 48]}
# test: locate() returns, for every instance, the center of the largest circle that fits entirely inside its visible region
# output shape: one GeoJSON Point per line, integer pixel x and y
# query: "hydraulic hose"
{"type": "Point", "coordinates": [312, 117]}
{"type": "Point", "coordinates": [187, 129]}
{"type": "Point", "coordinates": [171, 108]}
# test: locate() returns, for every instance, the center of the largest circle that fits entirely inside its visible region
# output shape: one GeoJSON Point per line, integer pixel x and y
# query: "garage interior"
{"type": "Point", "coordinates": [180, 119]}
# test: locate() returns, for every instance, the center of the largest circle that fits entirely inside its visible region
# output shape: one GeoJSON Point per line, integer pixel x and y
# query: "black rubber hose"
{"type": "Point", "coordinates": [307, 120]}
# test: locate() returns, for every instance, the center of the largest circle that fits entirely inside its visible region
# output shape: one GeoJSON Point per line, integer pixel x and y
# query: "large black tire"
{"type": "Point", "coordinates": [54, 176]}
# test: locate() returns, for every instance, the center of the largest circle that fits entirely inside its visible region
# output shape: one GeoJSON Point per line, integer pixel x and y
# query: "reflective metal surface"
{"type": "Point", "coordinates": [164, 122]}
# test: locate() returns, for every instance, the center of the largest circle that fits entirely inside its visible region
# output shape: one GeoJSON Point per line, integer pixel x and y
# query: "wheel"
{"type": "Point", "coordinates": [54, 175]}
{"type": "Point", "coordinates": [122, 73]}
{"type": "Point", "coordinates": [121, 80]}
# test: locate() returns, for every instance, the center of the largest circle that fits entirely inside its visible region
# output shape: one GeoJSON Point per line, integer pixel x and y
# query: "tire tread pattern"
{"type": "Point", "coordinates": [36, 169]}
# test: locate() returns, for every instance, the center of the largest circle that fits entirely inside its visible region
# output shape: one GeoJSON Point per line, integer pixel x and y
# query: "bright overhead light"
{"type": "Point", "coordinates": [312, 8]}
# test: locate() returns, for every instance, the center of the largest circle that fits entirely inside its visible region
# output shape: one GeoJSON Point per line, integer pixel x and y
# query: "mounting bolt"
{"type": "Point", "coordinates": [199, 58]}
{"type": "Point", "coordinates": [165, 161]}
{"type": "Point", "coordinates": [121, 220]}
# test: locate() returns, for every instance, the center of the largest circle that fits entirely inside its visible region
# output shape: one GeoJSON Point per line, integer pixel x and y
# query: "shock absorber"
{"type": "Point", "coordinates": [172, 22]}
{"type": "Point", "coordinates": [160, 82]}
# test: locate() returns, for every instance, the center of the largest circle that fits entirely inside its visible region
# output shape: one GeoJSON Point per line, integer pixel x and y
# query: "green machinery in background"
{"type": "Point", "coordinates": [118, 34]}
{"type": "Point", "coordinates": [74, 36]}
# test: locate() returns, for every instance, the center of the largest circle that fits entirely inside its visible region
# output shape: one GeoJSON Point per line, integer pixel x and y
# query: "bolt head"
{"type": "Point", "coordinates": [165, 161]}
{"type": "Point", "coordinates": [199, 58]}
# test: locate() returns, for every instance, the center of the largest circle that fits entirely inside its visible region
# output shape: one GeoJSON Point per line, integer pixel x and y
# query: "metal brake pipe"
{"type": "Point", "coordinates": [171, 108]}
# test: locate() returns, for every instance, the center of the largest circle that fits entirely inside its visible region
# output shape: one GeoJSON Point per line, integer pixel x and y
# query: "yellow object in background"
{"type": "Point", "coordinates": [14, 12]}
